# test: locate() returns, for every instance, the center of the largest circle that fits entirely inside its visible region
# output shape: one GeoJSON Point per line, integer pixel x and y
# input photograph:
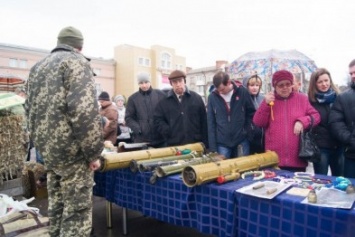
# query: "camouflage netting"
{"type": "Point", "coordinates": [12, 146]}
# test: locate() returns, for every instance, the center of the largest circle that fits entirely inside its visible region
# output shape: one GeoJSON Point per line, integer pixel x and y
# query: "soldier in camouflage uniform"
{"type": "Point", "coordinates": [66, 128]}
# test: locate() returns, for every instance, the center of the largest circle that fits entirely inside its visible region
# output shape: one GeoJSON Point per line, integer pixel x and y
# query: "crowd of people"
{"type": "Point", "coordinates": [69, 124]}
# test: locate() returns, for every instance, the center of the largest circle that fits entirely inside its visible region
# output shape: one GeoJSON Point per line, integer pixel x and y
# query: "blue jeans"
{"type": "Point", "coordinates": [242, 149]}
{"type": "Point", "coordinates": [333, 158]}
{"type": "Point", "coordinates": [349, 168]}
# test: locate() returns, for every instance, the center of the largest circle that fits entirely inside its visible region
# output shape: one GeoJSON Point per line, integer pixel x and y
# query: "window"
{"type": "Point", "coordinates": [23, 63]}
{"type": "Point", "coordinates": [140, 61]}
{"type": "Point", "coordinates": [144, 61]}
{"type": "Point", "coordinates": [178, 66]}
{"type": "Point", "coordinates": [98, 89]}
{"type": "Point", "coordinates": [165, 61]}
{"type": "Point", "coordinates": [13, 62]}
{"type": "Point", "coordinates": [97, 71]}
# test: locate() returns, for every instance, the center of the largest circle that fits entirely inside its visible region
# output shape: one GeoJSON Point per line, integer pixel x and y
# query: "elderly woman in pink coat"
{"type": "Point", "coordinates": [284, 115]}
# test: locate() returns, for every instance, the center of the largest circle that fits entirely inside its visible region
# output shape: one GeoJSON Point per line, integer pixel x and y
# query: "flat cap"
{"type": "Point", "coordinates": [177, 74]}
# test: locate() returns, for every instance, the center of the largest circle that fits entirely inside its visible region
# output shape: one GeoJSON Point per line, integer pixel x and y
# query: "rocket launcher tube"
{"type": "Point", "coordinates": [145, 165]}
{"type": "Point", "coordinates": [112, 161]}
{"type": "Point", "coordinates": [162, 171]}
{"type": "Point", "coordinates": [204, 173]}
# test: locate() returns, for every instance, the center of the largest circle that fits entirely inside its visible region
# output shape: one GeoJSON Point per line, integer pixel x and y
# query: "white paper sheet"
{"type": "Point", "coordinates": [263, 191]}
{"type": "Point", "coordinates": [331, 197]}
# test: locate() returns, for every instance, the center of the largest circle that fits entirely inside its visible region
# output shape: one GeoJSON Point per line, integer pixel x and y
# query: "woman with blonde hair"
{"type": "Point", "coordinates": [322, 93]}
{"type": "Point", "coordinates": [255, 134]}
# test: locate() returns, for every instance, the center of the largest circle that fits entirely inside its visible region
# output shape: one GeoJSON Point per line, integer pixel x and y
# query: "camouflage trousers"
{"type": "Point", "coordinates": [70, 201]}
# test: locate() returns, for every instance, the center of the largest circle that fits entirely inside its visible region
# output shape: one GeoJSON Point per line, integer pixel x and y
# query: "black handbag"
{"type": "Point", "coordinates": [308, 149]}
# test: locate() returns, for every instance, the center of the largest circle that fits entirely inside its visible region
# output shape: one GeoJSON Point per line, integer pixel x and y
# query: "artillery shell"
{"type": "Point", "coordinates": [258, 186]}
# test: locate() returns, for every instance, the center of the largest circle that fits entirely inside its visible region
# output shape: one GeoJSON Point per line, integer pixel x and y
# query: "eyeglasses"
{"type": "Point", "coordinates": [281, 86]}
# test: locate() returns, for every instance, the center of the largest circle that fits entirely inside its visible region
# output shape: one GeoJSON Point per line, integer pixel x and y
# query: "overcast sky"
{"type": "Point", "coordinates": [203, 31]}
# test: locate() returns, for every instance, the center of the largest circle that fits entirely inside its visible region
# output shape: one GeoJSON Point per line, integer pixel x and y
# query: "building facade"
{"type": "Point", "coordinates": [16, 62]}
{"type": "Point", "coordinates": [201, 79]}
{"type": "Point", "coordinates": [115, 76]}
{"type": "Point", "coordinates": [158, 62]}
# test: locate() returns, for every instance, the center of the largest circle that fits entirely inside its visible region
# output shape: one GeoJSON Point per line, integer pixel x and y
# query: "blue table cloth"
{"type": "Point", "coordinates": [285, 215]}
{"type": "Point", "coordinates": [219, 210]}
{"type": "Point", "coordinates": [209, 208]}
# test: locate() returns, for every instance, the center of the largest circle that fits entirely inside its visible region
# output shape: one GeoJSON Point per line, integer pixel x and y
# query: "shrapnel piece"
{"type": "Point", "coordinates": [258, 186]}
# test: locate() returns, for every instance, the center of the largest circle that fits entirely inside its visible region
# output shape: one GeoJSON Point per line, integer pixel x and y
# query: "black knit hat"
{"type": "Point", "coordinates": [104, 96]}
{"type": "Point", "coordinates": [71, 36]}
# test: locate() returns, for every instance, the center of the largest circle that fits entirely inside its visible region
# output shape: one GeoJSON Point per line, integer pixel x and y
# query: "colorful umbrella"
{"type": "Point", "coordinates": [265, 63]}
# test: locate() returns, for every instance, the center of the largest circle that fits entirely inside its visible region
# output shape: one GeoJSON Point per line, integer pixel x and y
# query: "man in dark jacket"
{"type": "Point", "coordinates": [181, 117]}
{"type": "Point", "coordinates": [342, 120]}
{"type": "Point", "coordinates": [139, 113]}
{"type": "Point", "coordinates": [230, 112]}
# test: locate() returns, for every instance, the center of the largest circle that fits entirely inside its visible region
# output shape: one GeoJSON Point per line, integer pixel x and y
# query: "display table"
{"type": "Point", "coordinates": [285, 215]}
{"type": "Point", "coordinates": [209, 208]}
{"type": "Point", "coordinates": [219, 210]}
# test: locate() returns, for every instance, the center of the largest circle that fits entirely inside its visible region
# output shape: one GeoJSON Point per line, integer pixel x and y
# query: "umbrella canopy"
{"type": "Point", "coordinates": [265, 63]}
{"type": "Point", "coordinates": [9, 82]}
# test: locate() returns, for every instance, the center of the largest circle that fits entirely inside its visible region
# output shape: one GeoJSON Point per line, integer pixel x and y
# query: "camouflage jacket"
{"type": "Point", "coordinates": [62, 109]}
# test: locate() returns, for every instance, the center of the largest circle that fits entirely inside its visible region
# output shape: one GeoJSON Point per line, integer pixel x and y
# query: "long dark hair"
{"type": "Point", "coordinates": [312, 89]}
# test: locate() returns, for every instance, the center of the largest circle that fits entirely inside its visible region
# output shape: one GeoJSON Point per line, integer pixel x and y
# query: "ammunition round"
{"type": "Point", "coordinates": [189, 176]}
{"type": "Point", "coordinates": [133, 166]}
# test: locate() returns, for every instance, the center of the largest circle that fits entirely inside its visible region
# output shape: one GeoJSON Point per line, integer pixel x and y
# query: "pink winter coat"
{"type": "Point", "coordinates": [279, 136]}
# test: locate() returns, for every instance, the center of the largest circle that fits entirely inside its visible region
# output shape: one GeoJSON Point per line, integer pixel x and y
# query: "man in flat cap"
{"type": "Point", "coordinates": [66, 129]}
{"type": "Point", "coordinates": [181, 117]}
{"type": "Point", "coordinates": [139, 112]}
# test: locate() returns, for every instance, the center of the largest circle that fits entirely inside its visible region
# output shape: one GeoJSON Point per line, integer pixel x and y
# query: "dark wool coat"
{"type": "Point", "coordinates": [322, 133]}
{"type": "Point", "coordinates": [181, 123]}
{"type": "Point", "coordinates": [342, 120]}
{"type": "Point", "coordinates": [140, 115]}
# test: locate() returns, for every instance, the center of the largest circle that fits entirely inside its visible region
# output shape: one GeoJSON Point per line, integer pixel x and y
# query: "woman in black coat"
{"type": "Point", "coordinates": [322, 93]}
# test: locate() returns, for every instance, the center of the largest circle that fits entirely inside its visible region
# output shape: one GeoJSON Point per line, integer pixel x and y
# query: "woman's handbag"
{"type": "Point", "coordinates": [308, 149]}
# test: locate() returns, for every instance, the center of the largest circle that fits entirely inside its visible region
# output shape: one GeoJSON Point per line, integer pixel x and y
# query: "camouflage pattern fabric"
{"type": "Point", "coordinates": [70, 203]}
{"type": "Point", "coordinates": [65, 126]}
{"type": "Point", "coordinates": [62, 109]}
